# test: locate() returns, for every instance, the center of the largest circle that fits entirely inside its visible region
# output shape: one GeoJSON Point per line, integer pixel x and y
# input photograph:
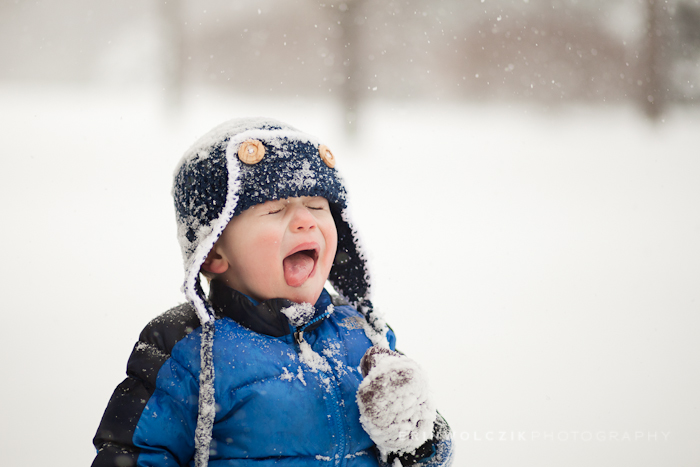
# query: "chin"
{"type": "Point", "coordinates": [304, 299]}
{"type": "Point", "coordinates": [305, 296]}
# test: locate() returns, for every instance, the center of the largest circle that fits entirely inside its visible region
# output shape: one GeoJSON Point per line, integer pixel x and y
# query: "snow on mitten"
{"type": "Point", "coordinates": [395, 408]}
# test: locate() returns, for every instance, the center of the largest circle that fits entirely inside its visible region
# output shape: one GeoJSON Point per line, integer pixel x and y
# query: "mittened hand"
{"type": "Point", "coordinates": [395, 408]}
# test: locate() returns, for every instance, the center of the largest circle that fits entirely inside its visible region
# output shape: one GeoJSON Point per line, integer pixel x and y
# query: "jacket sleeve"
{"type": "Point", "coordinates": [151, 416]}
{"type": "Point", "coordinates": [436, 452]}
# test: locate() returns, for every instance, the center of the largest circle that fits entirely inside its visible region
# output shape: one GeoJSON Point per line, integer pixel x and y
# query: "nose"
{"type": "Point", "coordinates": [302, 220]}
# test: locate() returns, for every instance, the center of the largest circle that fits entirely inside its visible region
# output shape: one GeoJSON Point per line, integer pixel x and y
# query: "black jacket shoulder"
{"type": "Point", "coordinates": [114, 437]}
{"type": "Point", "coordinates": [170, 327]}
{"type": "Point", "coordinates": [157, 340]}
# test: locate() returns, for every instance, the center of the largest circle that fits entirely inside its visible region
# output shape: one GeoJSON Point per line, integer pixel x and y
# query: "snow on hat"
{"type": "Point", "coordinates": [239, 164]}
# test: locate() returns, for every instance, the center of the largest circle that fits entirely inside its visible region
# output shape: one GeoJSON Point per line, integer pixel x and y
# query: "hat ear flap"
{"type": "Point", "coordinates": [200, 194]}
{"type": "Point", "coordinates": [349, 272]}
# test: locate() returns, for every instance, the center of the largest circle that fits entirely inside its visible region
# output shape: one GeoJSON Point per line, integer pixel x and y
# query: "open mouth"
{"type": "Point", "coordinates": [300, 264]}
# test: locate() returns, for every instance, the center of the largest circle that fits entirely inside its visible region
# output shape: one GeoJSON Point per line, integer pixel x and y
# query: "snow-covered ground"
{"type": "Point", "coordinates": [544, 267]}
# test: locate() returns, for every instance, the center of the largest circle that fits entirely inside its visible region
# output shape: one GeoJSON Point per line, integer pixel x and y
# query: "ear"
{"type": "Point", "coordinates": [215, 263]}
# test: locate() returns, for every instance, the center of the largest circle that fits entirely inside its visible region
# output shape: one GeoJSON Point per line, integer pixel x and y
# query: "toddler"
{"type": "Point", "coordinates": [269, 368]}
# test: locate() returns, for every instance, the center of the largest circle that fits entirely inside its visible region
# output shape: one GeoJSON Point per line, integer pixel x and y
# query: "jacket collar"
{"type": "Point", "coordinates": [264, 317]}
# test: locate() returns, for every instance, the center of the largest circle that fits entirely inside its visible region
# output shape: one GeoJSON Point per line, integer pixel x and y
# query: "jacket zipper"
{"type": "Point", "coordinates": [299, 333]}
{"type": "Point", "coordinates": [334, 393]}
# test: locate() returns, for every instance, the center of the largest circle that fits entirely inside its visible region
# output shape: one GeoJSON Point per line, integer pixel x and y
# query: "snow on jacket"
{"type": "Point", "coordinates": [282, 397]}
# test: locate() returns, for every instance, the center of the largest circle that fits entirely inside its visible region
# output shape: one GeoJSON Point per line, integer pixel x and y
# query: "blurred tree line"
{"type": "Point", "coordinates": [551, 51]}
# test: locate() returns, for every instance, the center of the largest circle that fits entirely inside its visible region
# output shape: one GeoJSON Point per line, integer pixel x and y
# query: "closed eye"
{"type": "Point", "coordinates": [274, 209]}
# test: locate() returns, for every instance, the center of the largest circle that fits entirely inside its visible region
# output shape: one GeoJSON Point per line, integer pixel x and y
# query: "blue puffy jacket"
{"type": "Point", "coordinates": [274, 404]}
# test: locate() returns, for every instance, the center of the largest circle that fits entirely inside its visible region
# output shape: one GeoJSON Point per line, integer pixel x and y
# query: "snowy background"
{"type": "Point", "coordinates": [535, 251]}
{"type": "Point", "coordinates": [542, 266]}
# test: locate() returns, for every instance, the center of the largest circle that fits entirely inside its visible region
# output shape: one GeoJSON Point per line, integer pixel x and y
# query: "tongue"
{"type": "Point", "coordinates": [297, 268]}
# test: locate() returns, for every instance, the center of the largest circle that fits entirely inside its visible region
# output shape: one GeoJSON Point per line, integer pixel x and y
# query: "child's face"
{"type": "Point", "coordinates": [278, 249]}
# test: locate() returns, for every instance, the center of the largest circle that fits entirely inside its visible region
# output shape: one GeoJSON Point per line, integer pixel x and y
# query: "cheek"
{"type": "Point", "coordinates": [265, 249]}
{"type": "Point", "coordinates": [333, 246]}
{"type": "Point", "coordinates": [254, 248]}
{"type": "Point", "coordinates": [331, 237]}
{"type": "Point", "coordinates": [267, 239]}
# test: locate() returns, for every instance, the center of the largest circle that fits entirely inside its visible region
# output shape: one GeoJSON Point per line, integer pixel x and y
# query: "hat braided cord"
{"type": "Point", "coordinates": [207, 407]}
